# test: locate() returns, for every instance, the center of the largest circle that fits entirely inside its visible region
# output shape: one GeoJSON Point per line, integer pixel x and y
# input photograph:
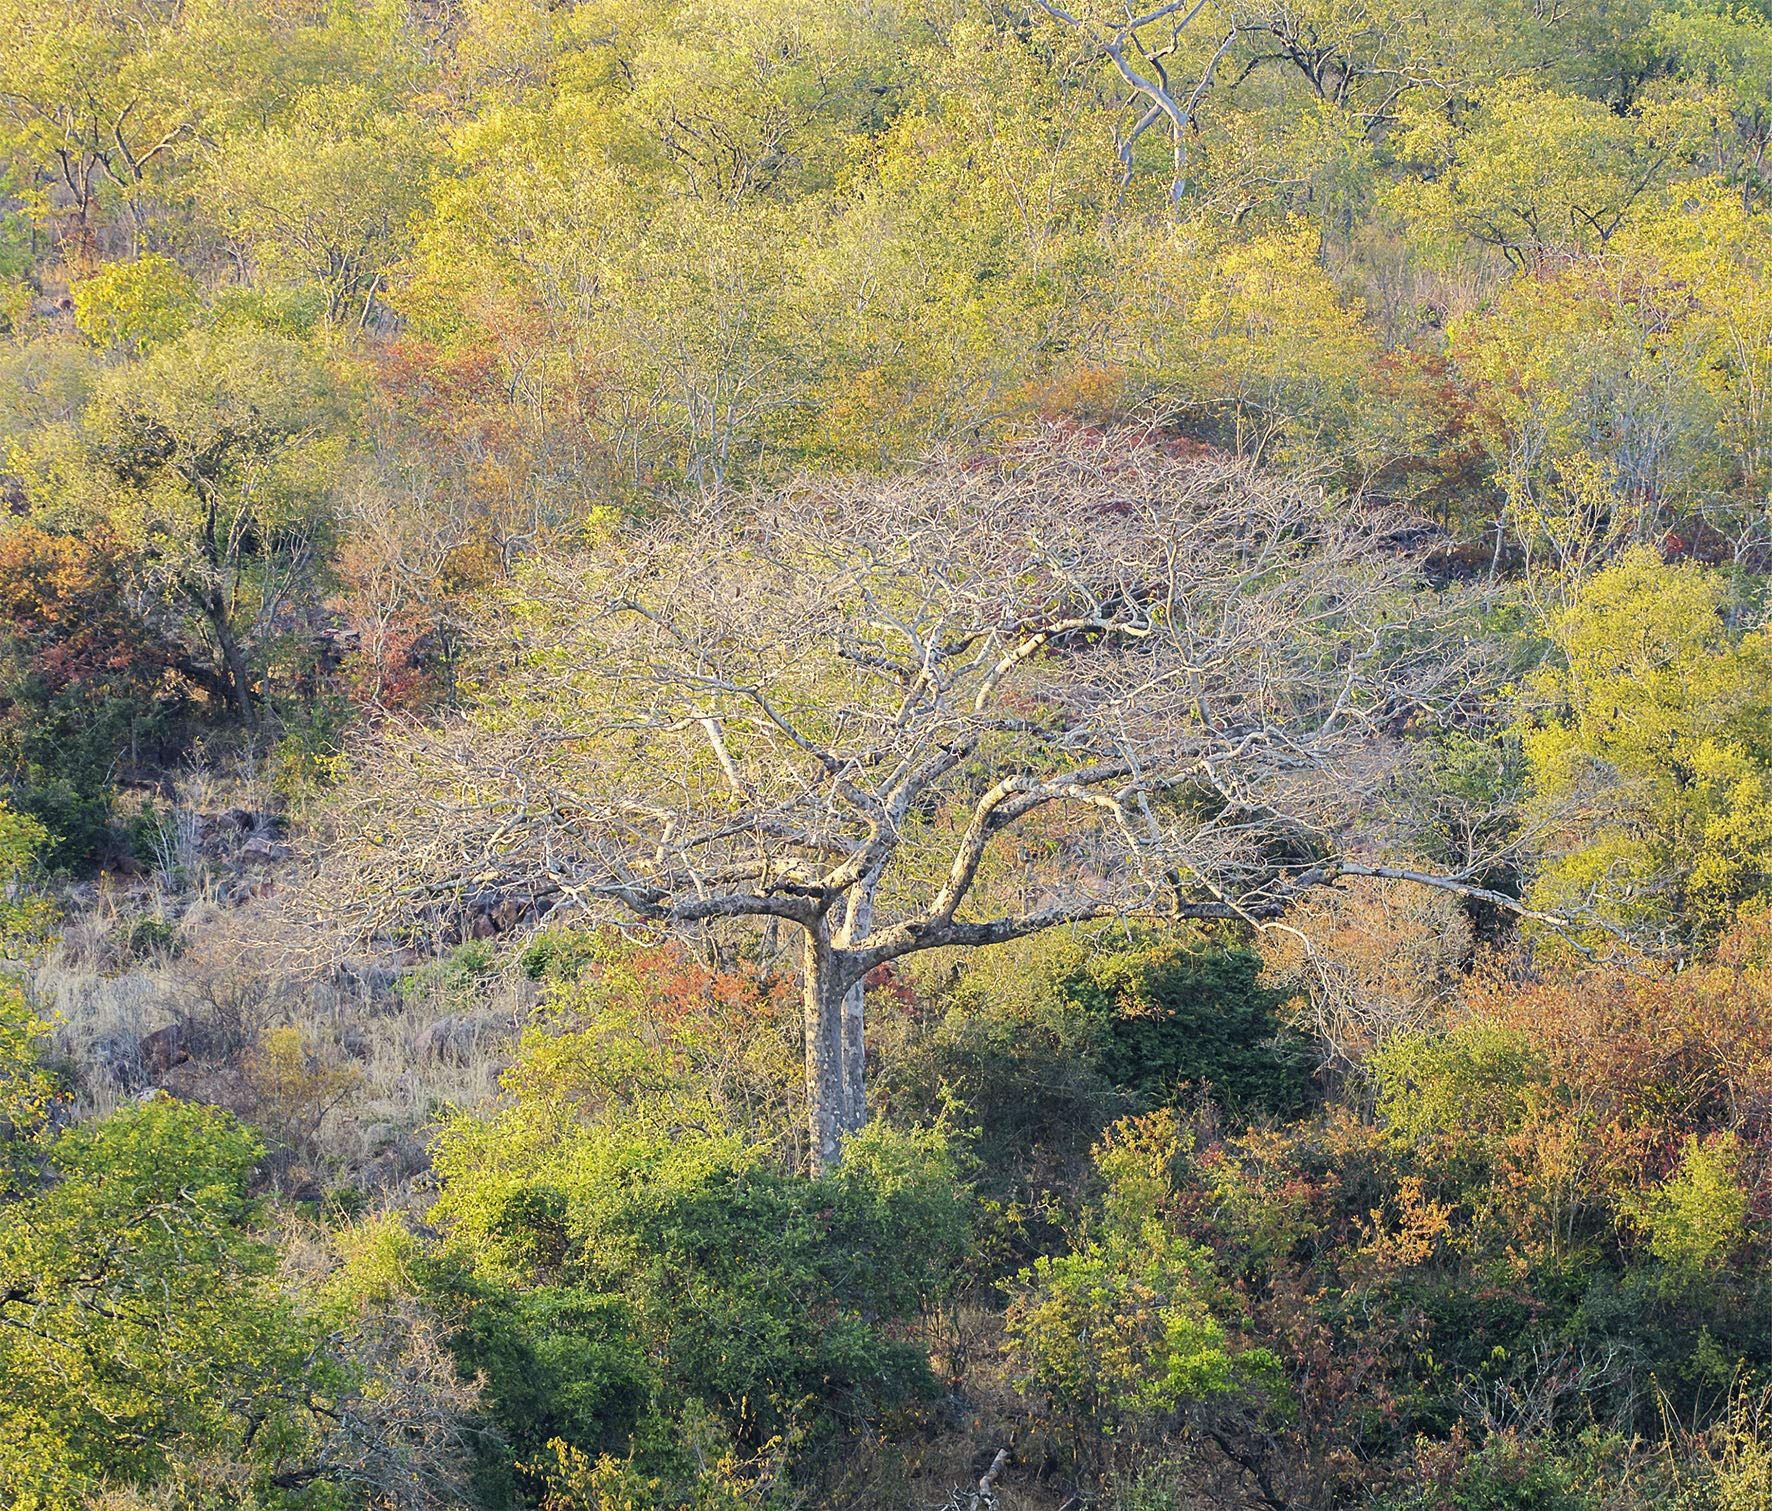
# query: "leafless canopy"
{"type": "Point", "coordinates": [1085, 678]}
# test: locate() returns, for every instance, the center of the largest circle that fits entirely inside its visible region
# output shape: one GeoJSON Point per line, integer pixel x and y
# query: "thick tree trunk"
{"type": "Point", "coordinates": [826, 1117]}
{"type": "Point", "coordinates": [855, 1102]}
{"type": "Point", "coordinates": [857, 920]}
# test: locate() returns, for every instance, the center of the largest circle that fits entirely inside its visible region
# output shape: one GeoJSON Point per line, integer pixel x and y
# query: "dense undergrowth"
{"type": "Point", "coordinates": [331, 330]}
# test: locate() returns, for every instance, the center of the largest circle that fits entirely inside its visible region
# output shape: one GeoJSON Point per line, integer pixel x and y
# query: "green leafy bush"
{"type": "Point", "coordinates": [150, 1327]}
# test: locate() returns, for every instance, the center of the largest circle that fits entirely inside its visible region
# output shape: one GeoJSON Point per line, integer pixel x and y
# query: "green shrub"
{"type": "Point", "coordinates": [558, 954]}
{"type": "Point", "coordinates": [457, 978]}
{"type": "Point", "coordinates": [1190, 1011]}
{"type": "Point", "coordinates": [157, 1332]}
{"type": "Point", "coordinates": [1116, 1339]}
{"type": "Point", "coordinates": [771, 1298]}
{"type": "Point", "coordinates": [306, 756]}
{"type": "Point", "coordinates": [1044, 1042]}
{"type": "Point", "coordinates": [1596, 1471]}
{"type": "Point", "coordinates": [144, 937]}
{"type": "Point", "coordinates": [1696, 1219]}
{"type": "Point", "coordinates": [559, 1364]}
{"type": "Point", "coordinates": [136, 303]}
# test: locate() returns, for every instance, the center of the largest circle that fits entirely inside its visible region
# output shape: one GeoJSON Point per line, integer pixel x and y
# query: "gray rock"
{"type": "Point", "coordinates": [452, 1040]}
{"type": "Point", "coordinates": [379, 1136]}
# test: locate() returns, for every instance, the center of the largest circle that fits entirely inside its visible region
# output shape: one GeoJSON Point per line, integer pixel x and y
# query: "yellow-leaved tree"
{"type": "Point", "coordinates": [1713, 256]}
{"type": "Point", "coordinates": [1248, 338]}
{"type": "Point", "coordinates": [1649, 746]}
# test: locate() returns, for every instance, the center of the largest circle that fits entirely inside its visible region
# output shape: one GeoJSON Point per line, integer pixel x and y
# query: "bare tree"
{"type": "Point", "coordinates": [1083, 679]}
{"type": "Point", "coordinates": [1143, 46]}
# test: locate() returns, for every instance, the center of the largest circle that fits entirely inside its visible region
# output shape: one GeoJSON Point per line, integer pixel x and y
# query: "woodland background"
{"type": "Point", "coordinates": [331, 328]}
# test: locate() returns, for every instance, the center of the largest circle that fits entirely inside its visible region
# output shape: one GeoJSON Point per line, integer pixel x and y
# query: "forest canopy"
{"type": "Point", "coordinates": [922, 754]}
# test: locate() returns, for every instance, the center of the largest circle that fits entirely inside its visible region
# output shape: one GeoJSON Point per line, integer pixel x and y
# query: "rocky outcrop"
{"type": "Point", "coordinates": [455, 1040]}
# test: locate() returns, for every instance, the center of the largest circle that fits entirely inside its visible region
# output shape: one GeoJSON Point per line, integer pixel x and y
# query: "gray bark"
{"type": "Point", "coordinates": [858, 921]}
{"type": "Point", "coordinates": [822, 1021]}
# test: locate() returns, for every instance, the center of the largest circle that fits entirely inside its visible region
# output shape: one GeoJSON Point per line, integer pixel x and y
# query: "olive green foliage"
{"type": "Point", "coordinates": [621, 1254]}
{"type": "Point", "coordinates": [1509, 1473]}
{"type": "Point", "coordinates": [27, 1089]}
{"type": "Point", "coordinates": [455, 979]}
{"type": "Point", "coordinates": [557, 954]}
{"type": "Point", "coordinates": [144, 1325]}
{"type": "Point", "coordinates": [1047, 1040]}
{"type": "Point", "coordinates": [1191, 1015]}
{"type": "Point", "coordinates": [22, 840]}
{"type": "Point", "coordinates": [1117, 1337]}
{"type": "Point", "coordinates": [135, 304]}
{"type": "Point", "coordinates": [150, 1347]}
{"type": "Point", "coordinates": [1695, 1220]}
{"type": "Point", "coordinates": [1456, 1089]}
{"type": "Point", "coordinates": [559, 1364]}
{"type": "Point", "coordinates": [320, 318]}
